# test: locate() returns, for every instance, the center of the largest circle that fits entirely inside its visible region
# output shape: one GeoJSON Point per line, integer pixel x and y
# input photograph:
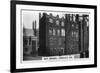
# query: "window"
{"type": "Point", "coordinates": [58, 32]}
{"type": "Point", "coordinates": [63, 32]}
{"type": "Point", "coordinates": [76, 26]}
{"type": "Point", "coordinates": [50, 32]}
{"type": "Point", "coordinates": [72, 25]}
{"type": "Point", "coordinates": [62, 23]}
{"type": "Point", "coordinates": [70, 17]}
{"type": "Point", "coordinates": [50, 20]}
{"type": "Point", "coordinates": [80, 18]}
{"type": "Point", "coordinates": [76, 34]}
{"type": "Point", "coordinates": [57, 22]}
{"type": "Point", "coordinates": [59, 41]}
{"type": "Point", "coordinates": [87, 21]}
{"type": "Point", "coordinates": [25, 49]}
{"type": "Point", "coordinates": [30, 40]}
{"type": "Point", "coordinates": [25, 41]}
{"type": "Point", "coordinates": [72, 33]}
{"type": "Point", "coordinates": [54, 32]}
{"type": "Point", "coordinates": [74, 18]}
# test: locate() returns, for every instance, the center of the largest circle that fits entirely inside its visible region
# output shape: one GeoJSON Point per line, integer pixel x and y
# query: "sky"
{"type": "Point", "coordinates": [29, 16]}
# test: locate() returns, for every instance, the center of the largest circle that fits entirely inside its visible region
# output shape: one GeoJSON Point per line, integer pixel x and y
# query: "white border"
{"type": "Point", "coordinates": [38, 64]}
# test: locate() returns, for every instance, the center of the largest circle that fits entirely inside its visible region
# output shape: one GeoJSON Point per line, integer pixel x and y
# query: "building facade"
{"type": "Point", "coordinates": [64, 35]}
{"type": "Point", "coordinates": [52, 35]}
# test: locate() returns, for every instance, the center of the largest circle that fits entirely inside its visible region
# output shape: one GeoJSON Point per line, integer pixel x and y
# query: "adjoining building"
{"type": "Point", "coordinates": [30, 41]}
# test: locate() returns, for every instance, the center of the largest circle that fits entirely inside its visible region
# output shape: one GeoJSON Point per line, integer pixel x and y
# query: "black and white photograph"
{"type": "Point", "coordinates": [47, 34]}
{"type": "Point", "coordinates": [52, 36]}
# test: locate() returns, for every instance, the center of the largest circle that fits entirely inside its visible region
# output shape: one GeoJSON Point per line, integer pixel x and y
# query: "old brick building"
{"type": "Point", "coordinates": [64, 35]}
{"type": "Point", "coordinates": [52, 35]}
